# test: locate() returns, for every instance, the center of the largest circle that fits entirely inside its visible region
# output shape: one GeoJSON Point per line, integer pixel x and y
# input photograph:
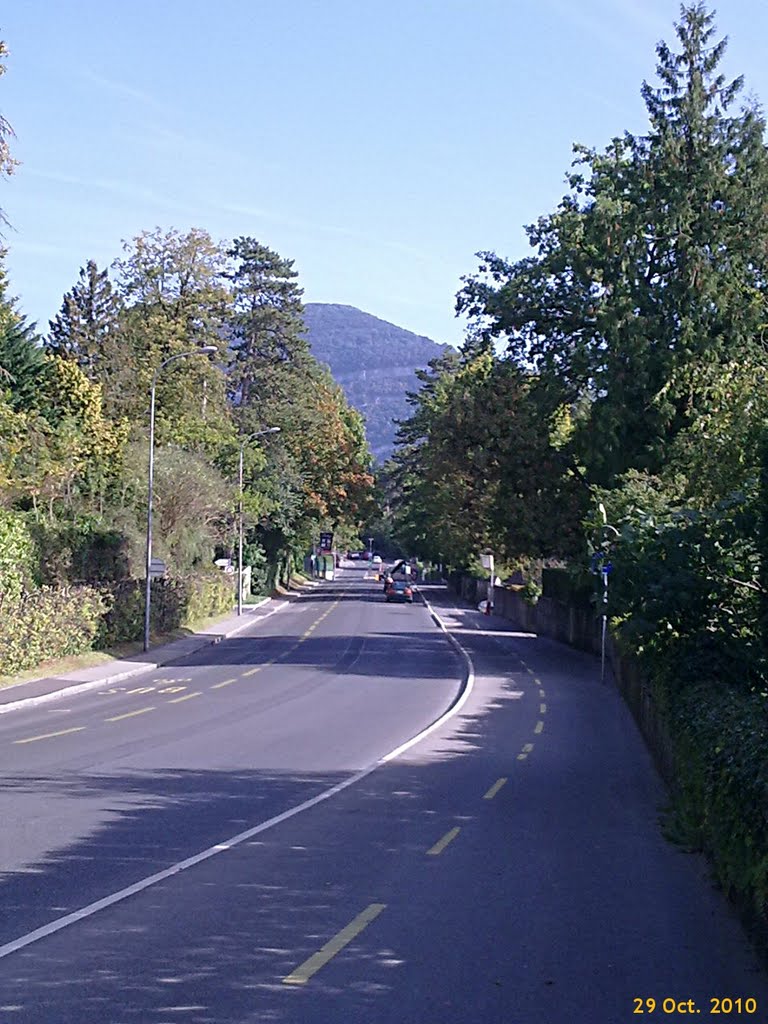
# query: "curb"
{"type": "Point", "coordinates": [145, 666]}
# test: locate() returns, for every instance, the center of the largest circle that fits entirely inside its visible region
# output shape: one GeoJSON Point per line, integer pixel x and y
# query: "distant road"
{"type": "Point", "coordinates": [508, 868]}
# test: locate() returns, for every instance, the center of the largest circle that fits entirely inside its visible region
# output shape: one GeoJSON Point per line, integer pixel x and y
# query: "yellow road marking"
{"type": "Point", "coordinates": [527, 748]}
{"type": "Point", "coordinates": [50, 735]}
{"type": "Point", "coordinates": [539, 727]}
{"type": "Point", "coordinates": [543, 709]}
{"type": "Point", "coordinates": [441, 844]}
{"type": "Point", "coordinates": [302, 974]}
{"type": "Point", "coordinates": [494, 789]}
{"type": "Point", "coordinates": [541, 693]}
{"type": "Point", "coordinates": [218, 686]}
{"type": "Point", "coordinates": [142, 689]}
{"type": "Point", "coordinates": [187, 696]}
{"type": "Point", "coordinates": [129, 714]}
{"type": "Point", "coordinates": [172, 689]}
{"type": "Point", "coordinates": [521, 757]}
{"type": "Point", "coordinates": [529, 671]}
{"type": "Point", "coordinates": [537, 681]}
{"type": "Point", "coordinates": [252, 671]}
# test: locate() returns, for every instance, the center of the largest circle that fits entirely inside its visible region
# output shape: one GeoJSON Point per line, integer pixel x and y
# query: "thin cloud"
{"type": "Point", "coordinates": [123, 89]}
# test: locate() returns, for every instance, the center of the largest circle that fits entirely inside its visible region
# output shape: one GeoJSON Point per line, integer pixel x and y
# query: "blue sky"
{"type": "Point", "coordinates": [379, 145]}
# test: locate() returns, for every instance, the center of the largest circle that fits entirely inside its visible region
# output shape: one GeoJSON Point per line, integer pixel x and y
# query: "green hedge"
{"type": "Point", "coordinates": [18, 554]}
{"type": "Point", "coordinates": [46, 624]}
{"type": "Point", "coordinates": [176, 603]}
{"type": "Point", "coordinates": [49, 623]}
{"type": "Point", "coordinates": [721, 792]}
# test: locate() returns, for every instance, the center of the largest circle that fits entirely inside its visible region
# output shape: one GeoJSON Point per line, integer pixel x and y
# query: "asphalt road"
{"type": "Point", "coordinates": [507, 868]}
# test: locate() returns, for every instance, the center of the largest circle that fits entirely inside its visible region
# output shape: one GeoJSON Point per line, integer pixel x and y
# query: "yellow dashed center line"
{"type": "Point", "coordinates": [304, 971]}
{"type": "Point", "coordinates": [441, 844]}
{"type": "Point", "coordinates": [50, 735]}
{"type": "Point", "coordinates": [494, 789]}
{"type": "Point", "coordinates": [543, 709]}
{"type": "Point", "coordinates": [539, 727]}
{"type": "Point", "coordinates": [541, 693]}
{"type": "Point", "coordinates": [187, 696]}
{"type": "Point", "coordinates": [129, 714]}
{"type": "Point", "coordinates": [227, 682]}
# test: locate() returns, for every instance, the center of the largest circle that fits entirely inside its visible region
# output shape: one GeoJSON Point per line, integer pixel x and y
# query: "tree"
{"type": "Point", "coordinates": [266, 326]}
{"type": "Point", "coordinates": [7, 163]}
{"type": "Point", "coordinates": [653, 266]}
{"type": "Point", "coordinates": [479, 467]}
{"type": "Point", "coordinates": [86, 328]}
{"type": "Point", "coordinates": [175, 301]}
{"type": "Point", "coordinates": [22, 362]}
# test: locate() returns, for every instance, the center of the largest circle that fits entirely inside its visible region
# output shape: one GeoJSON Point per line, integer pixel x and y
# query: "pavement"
{"type": "Point", "coordinates": [46, 688]}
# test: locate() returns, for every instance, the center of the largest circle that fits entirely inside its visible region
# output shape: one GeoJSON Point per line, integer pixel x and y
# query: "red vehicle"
{"type": "Point", "coordinates": [399, 590]}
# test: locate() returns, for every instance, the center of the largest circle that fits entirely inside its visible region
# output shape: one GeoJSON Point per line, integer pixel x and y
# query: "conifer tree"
{"type": "Point", "coordinates": [86, 327]}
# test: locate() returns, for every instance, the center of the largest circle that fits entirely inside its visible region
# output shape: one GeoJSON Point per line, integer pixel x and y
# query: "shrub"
{"type": "Point", "coordinates": [721, 740]}
{"type": "Point", "coordinates": [176, 602]}
{"type": "Point", "coordinates": [42, 625]}
{"type": "Point", "coordinates": [17, 554]}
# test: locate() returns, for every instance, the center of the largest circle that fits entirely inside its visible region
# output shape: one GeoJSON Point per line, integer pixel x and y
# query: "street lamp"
{"type": "Point", "coordinates": [243, 443]}
{"type": "Point", "coordinates": [206, 350]}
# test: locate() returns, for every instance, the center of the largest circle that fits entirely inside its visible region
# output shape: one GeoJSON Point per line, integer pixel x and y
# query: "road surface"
{"type": "Point", "coordinates": [508, 867]}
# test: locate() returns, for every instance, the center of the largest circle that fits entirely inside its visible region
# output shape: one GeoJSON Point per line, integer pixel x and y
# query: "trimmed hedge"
{"type": "Point", "coordinates": [46, 624]}
{"type": "Point", "coordinates": [721, 787]}
{"type": "Point", "coordinates": [42, 625]}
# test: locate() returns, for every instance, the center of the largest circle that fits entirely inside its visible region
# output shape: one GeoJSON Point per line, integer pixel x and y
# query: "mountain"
{"type": "Point", "coordinates": [375, 363]}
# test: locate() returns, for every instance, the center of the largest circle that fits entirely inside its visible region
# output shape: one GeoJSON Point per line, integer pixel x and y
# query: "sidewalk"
{"type": "Point", "coordinates": [38, 691]}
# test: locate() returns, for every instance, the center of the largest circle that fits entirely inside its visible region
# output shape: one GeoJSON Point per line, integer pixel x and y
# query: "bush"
{"type": "Point", "coordinates": [176, 602]}
{"type": "Point", "coordinates": [46, 624]}
{"type": "Point", "coordinates": [83, 550]}
{"type": "Point", "coordinates": [721, 740]}
{"type": "Point", "coordinates": [18, 554]}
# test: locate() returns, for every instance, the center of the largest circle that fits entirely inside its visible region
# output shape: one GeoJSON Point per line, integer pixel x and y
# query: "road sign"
{"type": "Point", "coordinates": [326, 542]}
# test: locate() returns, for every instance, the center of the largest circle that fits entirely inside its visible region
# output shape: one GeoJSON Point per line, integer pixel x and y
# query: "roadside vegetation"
{"type": "Point", "coordinates": [624, 363]}
{"type": "Point", "coordinates": [74, 441]}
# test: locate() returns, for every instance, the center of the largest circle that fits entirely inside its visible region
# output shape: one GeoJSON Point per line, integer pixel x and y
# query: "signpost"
{"type": "Point", "coordinates": [157, 568]}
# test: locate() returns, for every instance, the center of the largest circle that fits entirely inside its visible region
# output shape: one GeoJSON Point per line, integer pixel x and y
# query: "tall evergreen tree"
{"type": "Point", "coordinates": [266, 325]}
{"type": "Point", "coordinates": [86, 328]}
{"type": "Point", "coordinates": [22, 363]}
{"type": "Point", "coordinates": [653, 270]}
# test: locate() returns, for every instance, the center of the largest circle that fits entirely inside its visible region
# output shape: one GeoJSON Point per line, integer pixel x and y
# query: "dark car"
{"type": "Point", "coordinates": [399, 590]}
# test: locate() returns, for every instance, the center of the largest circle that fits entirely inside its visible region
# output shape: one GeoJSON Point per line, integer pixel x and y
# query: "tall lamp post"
{"type": "Point", "coordinates": [243, 443]}
{"type": "Point", "coordinates": [206, 350]}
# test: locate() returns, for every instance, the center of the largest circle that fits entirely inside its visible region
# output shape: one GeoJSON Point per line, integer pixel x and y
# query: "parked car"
{"type": "Point", "coordinates": [399, 590]}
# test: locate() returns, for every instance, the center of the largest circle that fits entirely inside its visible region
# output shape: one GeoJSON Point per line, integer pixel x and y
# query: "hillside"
{"type": "Point", "coordinates": [373, 361]}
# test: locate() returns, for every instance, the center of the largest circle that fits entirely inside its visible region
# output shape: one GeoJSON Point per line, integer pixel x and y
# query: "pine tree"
{"type": "Point", "coordinates": [266, 325]}
{"type": "Point", "coordinates": [86, 327]}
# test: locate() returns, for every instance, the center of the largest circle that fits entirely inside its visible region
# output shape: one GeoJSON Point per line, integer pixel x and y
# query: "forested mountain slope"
{"type": "Point", "coordinates": [374, 362]}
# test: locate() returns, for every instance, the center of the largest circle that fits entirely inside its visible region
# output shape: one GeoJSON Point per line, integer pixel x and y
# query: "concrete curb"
{"type": "Point", "coordinates": [139, 668]}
